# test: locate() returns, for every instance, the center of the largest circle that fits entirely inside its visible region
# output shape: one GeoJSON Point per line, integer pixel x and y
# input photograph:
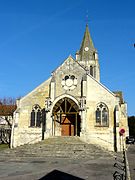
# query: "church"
{"type": "Point", "coordinates": [72, 102]}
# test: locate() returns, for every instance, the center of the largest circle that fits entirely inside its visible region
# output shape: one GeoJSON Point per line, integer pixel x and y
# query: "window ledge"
{"type": "Point", "coordinates": [107, 126]}
{"type": "Point", "coordinates": [34, 127]}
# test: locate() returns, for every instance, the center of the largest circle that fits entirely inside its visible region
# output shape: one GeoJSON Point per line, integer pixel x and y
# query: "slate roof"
{"type": "Point", "coordinates": [87, 40]}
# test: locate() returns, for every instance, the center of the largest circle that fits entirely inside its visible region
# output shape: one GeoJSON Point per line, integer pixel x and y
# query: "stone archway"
{"type": "Point", "coordinates": [66, 119]}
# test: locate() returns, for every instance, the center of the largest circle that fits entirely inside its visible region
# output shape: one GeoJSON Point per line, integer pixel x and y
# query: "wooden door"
{"type": "Point", "coordinates": [67, 127]}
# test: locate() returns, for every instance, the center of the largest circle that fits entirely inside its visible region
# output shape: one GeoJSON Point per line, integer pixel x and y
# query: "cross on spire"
{"type": "Point", "coordinates": [87, 17]}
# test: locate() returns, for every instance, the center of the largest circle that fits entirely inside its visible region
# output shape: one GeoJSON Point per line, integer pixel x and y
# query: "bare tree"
{"type": "Point", "coordinates": [7, 101]}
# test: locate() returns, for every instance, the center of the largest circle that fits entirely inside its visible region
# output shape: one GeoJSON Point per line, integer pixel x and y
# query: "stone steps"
{"type": "Point", "coordinates": [56, 147]}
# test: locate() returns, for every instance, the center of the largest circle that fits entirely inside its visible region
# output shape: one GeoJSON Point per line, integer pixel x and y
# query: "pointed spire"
{"type": "Point", "coordinates": [87, 41]}
{"type": "Point", "coordinates": [87, 49]}
{"type": "Point", "coordinates": [87, 56]}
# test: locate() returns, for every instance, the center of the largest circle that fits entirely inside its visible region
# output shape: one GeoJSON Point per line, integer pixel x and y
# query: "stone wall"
{"type": "Point", "coordinates": [22, 132]}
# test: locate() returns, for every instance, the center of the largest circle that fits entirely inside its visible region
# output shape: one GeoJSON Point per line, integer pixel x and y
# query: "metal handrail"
{"type": "Point", "coordinates": [121, 166]}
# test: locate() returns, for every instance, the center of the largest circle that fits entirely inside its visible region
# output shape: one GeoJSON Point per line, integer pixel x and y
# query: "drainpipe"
{"type": "Point", "coordinates": [43, 123]}
{"type": "Point", "coordinates": [115, 127]}
{"type": "Point", "coordinates": [12, 131]}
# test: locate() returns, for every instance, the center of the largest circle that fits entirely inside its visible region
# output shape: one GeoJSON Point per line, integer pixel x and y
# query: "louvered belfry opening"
{"type": "Point", "coordinates": [66, 116]}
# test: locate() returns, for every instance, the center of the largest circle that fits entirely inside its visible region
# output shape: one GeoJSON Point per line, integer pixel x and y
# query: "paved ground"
{"type": "Point", "coordinates": [131, 160]}
{"type": "Point", "coordinates": [65, 169]}
{"type": "Point", "coordinates": [92, 168]}
{"type": "Point", "coordinates": [62, 159]}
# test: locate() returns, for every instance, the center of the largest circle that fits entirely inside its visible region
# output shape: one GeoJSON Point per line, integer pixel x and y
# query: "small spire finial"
{"type": "Point", "coordinates": [87, 17]}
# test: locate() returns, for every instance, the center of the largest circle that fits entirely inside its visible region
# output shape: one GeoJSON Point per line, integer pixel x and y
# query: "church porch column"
{"type": "Point", "coordinates": [82, 114]}
{"type": "Point", "coordinates": [76, 124]}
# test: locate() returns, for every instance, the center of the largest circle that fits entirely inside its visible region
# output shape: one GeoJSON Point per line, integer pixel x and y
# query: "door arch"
{"type": "Point", "coordinates": [66, 118]}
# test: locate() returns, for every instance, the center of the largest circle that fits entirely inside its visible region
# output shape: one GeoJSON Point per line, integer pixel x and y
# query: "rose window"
{"type": "Point", "coordinates": [69, 82]}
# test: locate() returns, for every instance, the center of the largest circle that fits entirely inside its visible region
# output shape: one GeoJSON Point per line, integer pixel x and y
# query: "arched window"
{"type": "Point", "coordinates": [35, 116]}
{"type": "Point", "coordinates": [91, 71]}
{"type": "Point", "coordinates": [93, 55]}
{"type": "Point", "coordinates": [102, 115]}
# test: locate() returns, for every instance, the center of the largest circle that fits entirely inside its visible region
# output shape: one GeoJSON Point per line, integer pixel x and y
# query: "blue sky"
{"type": "Point", "coordinates": [37, 35]}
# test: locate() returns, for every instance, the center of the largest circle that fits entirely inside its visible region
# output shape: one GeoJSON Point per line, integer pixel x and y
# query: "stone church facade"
{"type": "Point", "coordinates": [72, 102]}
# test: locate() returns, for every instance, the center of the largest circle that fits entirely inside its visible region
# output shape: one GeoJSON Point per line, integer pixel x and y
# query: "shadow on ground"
{"type": "Point", "coordinates": [55, 174]}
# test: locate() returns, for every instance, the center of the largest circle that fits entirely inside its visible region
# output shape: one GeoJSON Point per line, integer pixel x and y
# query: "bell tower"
{"type": "Point", "coordinates": [87, 56]}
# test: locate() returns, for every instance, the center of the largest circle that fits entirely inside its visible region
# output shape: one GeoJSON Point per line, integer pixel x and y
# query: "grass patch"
{"type": "Point", "coordinates": [4, 146]}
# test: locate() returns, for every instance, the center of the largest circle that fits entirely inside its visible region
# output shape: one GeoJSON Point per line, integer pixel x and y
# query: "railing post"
{"type": "Point", "coordinates": [122, 166]}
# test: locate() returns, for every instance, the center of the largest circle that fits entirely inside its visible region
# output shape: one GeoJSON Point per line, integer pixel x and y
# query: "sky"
{"type": "Point", "coordinates": [36, 36]}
